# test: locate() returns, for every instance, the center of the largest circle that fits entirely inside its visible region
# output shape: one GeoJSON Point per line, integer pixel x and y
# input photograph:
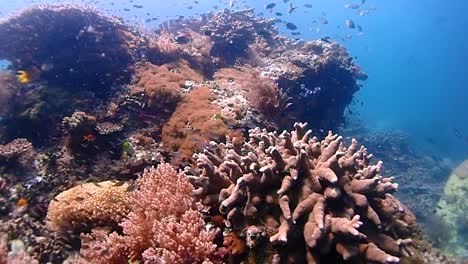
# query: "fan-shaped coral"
{"type": "Point", "coordinates": [313, 198]}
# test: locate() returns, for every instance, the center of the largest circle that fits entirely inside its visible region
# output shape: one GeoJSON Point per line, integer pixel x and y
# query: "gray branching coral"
{"type": "Point", "coordinates": [313, 198]}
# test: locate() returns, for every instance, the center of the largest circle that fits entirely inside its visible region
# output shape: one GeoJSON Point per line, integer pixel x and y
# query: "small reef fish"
{"type": "Point", "coordinates": [307, 5]}
{"type": "Point", "coordinates": [22, 202]}
{"type": "Point", "coordinates": [279, 14]}
{"type": "Point", "coordinates": [292, 8]}
{"type": "Point", "coordinates": [349, 23]}
{"type": "Point", "coordinates": [270, 6]}
{"type": "Point", "coordinates": [352, 6]}
{"type": "Point", "coordinates": [27, 76]}
{"type": "Point", "coordinates": [23, 76]}
{"type": "Point", "coordinates": [89, 137]}
{"type": "Point", "coordinates": [291, 26]}
{"type": "Point", "coordinates": [363, 12]}
{"type": "Point", "coordinates": [323, 20]}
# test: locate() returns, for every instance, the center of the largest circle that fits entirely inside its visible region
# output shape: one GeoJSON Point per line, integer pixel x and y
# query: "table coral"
{"type": "Point", "coordinates": [88, 205]}
{"type": "Point", "coordinates": [311, 197]}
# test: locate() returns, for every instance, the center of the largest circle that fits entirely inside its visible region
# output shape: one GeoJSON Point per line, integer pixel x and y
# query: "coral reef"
{"type": "Point", "coordinates": [118, 101]}
{"type": "Point", "coordinates": [163, 86]}
{"type": "Point", "coordinates": [162, 226]}
{"type": "Point", "coordinates": [17, 255]}
{"type": "Point", "coordinates": [319, 76]}
{"type": "Point", "coordinates": [452, 209]}
{"type": "Point", "coordinates": [311, 197]}
{"type": "Point", "coordinates": [7, 92]}
{"type": "Point", "coordinates": [99, 47]}
{"type": "Point", "coordinates": [194, 123]}
{"type": "Point", "coordinates": [88, 205]}
{"type": "Point", "coordinates": [262, 93]}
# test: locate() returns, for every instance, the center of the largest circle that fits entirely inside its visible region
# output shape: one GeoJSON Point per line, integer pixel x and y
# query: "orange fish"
{"type": "Point", "coordinates": [89, 137]}
{"type": "Point", "coordinates": [22, 202]}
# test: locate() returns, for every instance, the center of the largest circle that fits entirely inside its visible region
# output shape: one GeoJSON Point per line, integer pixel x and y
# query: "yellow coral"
{"type": "Point", "coordinates": [92, 204]}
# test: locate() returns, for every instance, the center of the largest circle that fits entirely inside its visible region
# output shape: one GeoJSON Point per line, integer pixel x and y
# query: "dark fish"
{"type": "Point", "coordinates": [196, 2]}
{"type": "Point", "coordinates": [279, 14]}
{"type": "Point", "coordinates": [307, 5]}
{"type": "Point", "coordinates": [363, 2]}
{"type": "Point", "coordinates": [359, 28]}
{"type": "Point", "coordinates": [137, 6]}
{"type": "Point", "coordinates": [148, 20]}
{"type": "Point", "coordinates": [349, 23]}
{"type": "Point", "coordinates": [291, 26]}
{"type": "Point", "coordinates": [295, 33]}
{"type": "Point", "coordinates": [126, 9]}
{"type": "Point", "coordinates": [215, 7]}
{"type": "Point", "coordinates": [291, 8]}
{"type": "Point", "coordinates": [270, 6]}
{"type": "Point", "coordinates": [285, 1]}
{"type": "Point", "coordinates": [326, 39]}
{"type": "Point", "coordinates": [277, 20]}
{"type": "Point", "coordinates": [352, 6]}
{"type": "Point", "coordinates": [189, 7]}
{"type": "Point", "coordinates": [323, 20]}
{"type": "Point", "coordinates": [457, 132]}
{"type": "Point", "coordinates": [79, 198]}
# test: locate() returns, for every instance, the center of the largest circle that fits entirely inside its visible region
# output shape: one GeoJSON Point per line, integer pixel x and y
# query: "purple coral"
{"type": "Point", "coordinates": [311, 197]}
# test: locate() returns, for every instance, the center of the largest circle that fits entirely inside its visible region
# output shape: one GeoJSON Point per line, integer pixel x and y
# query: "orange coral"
{"type": "Point", "coordinates": [193, 125]}
{"type": "Point", "coordinates": [162, 85]}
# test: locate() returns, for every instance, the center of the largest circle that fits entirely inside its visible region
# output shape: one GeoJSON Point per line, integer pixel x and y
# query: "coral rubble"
{"type": "Point", "coordinates": [311, 197]}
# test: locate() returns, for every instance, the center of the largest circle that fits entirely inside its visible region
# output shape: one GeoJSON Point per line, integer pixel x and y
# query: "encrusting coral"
{"type": "Point", "coordinates": [88, 205]}
{"type": "Point", "coordinates": [163, 226]}
{"type": "Point", "coordinates": [163, 86]}
{"type": "Point", "coordinates": [311, 197]}
{"type": "Point", "coordinates": [195, 122]}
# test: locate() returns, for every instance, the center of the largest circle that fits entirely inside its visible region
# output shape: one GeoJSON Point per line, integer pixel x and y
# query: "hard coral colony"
{"type": "Point", "coordinates": [122, 100]}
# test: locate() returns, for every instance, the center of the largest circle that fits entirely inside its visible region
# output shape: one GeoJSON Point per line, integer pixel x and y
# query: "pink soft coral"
{"type": "Point", "coordinates": [162, 227]}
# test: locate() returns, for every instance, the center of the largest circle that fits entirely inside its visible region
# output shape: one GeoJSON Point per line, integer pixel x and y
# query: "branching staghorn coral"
{"type": "Point", "coordinates": [162, 227]}
{"type": "Point", "coordinates": [313, 198]}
